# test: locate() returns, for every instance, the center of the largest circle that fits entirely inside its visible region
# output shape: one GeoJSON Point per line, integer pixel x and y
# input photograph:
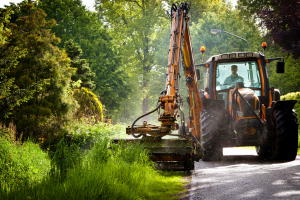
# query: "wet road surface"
{"type": "Point", "coordinates": [242, 175]}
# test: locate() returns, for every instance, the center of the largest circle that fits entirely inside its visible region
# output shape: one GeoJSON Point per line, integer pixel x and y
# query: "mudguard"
{"type": "Point", "coordinates": [287, 104]}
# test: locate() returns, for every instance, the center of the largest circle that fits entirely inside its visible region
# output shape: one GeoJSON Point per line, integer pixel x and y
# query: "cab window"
{"type": "Point", "coordinates": [227, 74]}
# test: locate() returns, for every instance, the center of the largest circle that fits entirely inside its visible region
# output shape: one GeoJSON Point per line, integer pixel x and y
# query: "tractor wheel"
{"type": "Point", "coordinates": [212, 128]}
{"type": "Point", "coordinates": [286, 142]}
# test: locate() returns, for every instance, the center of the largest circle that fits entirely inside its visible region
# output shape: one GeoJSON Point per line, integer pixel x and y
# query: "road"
{"type": "Point", "coordinates": [242, 175]}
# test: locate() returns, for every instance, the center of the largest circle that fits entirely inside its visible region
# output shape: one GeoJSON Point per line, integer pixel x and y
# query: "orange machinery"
{"type": "Point", "coordinates": [180, 152]}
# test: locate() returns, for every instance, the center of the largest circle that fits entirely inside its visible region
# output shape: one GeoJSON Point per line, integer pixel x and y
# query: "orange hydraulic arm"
{"type": "Point", "coordinates": [180, 56]}
{"type": "Point", "coordinates": [181, 53]}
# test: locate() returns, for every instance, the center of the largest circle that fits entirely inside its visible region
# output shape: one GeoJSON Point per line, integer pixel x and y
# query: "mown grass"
{"type": "Point", "coordinates": [121, 172]}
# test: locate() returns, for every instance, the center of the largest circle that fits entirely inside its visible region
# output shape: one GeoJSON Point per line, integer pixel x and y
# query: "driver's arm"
{"type": "Point", "coordinates": [227, 81]}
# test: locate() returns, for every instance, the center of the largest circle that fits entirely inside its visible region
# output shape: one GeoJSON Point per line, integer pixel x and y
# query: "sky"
{"type": "Point", "coordinates": [87, 3]}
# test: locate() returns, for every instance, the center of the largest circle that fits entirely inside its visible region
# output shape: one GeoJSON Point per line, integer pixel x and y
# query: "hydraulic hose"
{"type": "Point", "coordinates": [148, 113]}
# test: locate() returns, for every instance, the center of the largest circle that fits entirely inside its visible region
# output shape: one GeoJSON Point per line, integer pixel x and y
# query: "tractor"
{"type": "Point", "coordinates": [240, 108]}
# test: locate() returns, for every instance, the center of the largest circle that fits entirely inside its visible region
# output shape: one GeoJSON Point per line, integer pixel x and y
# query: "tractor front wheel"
{"type": "Point", "coordinates": [286, 142]}
{"type": "Point", "coordinates": [212, 135]}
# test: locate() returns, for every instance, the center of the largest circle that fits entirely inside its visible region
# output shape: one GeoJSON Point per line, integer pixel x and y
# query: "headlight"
{"type": "Point", "coordinates": [240, 114]}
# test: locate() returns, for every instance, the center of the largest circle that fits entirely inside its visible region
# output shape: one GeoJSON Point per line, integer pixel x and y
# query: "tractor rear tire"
{"type": "Point", "coordinates": [212, 128]}
{"type": "Point", "coordinates": [286, 142]}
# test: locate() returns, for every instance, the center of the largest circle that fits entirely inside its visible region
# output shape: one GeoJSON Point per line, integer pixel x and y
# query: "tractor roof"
{"type": "Point", "coordinates": [234, 55]}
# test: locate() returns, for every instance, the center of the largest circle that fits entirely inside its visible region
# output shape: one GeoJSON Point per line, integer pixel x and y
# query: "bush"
{"type": "Point", "coordinates": [90, 106]}
{"type": "Point", "coordinates": [293, 96]}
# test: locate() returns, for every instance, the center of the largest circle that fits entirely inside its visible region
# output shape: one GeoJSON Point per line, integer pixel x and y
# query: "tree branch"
{"type": "Point", "coordinates": [134, 2]}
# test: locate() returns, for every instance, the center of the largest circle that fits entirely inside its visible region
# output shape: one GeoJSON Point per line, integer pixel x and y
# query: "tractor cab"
{"type": "Point", "coordinates": [237, 72]}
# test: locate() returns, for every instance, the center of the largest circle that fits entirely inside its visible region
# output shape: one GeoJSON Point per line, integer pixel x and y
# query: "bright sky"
{"type": "Point", "coordinates": [88, 3]}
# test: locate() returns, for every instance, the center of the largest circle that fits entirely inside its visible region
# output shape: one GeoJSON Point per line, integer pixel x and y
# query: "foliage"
{"type": "Point", "coordinates": [83, 71]}
{"type": "Point", "coordinates": [282, 23]}
{"type": "Point", "coordinates": [44, 71]}
{"type": "Point", "coordinates": [82, 132]}
{"type": "Point", "coordinates": [98, 46]}
{"type": "Point", "coordinates": [122, 172]}
{"type": "Point", "coordinates": [10, 94]}
{"type": "Point", "coordinates": [293, 96]}
{"type": "Point", "coordinates": [250, 8]}
{"type": "Point", "coordinates": [289, 81]}
{"type": "Point", "coordinates": [72, 19]}
{"type": "Point", "coordinates": [21, 165]}
{"type": "Point", "coordinates": [66, 157]}
{"type": "Point", "coordinates": [280, 18]}
{"type": "Point", "coordinates": [222, 42]}
{"type": "Point", "coordinates": [199, 7]}
{"type": "Point", "coordinates": [90, 106]}
{"type": "Point", "coordinates": [135, 25]}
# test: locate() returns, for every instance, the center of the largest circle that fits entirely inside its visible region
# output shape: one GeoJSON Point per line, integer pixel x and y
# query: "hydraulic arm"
{"type": "Point", "coordinates": [180, 56]}
{"type": "Point", "coordinates": [187, 148]}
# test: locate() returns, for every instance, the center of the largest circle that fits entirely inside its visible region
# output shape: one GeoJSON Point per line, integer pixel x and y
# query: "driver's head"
{"type": "Point", "coordinates": [234, 68]}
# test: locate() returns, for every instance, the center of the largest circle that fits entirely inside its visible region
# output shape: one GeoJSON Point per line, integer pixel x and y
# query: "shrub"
{"type": "Point", "coordinates": [293, 96]}
{"type": "Point", "coordinates": [90, 106]}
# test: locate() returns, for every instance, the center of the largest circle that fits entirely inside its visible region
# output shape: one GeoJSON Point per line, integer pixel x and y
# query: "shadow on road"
{"type": "Point", "coordinates": [244, 177]}
{"type": "Point", "coordinates": [249, 159]}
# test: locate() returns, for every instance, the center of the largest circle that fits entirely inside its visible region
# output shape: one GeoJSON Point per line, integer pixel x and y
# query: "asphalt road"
{"type": "Point", "coordinates": [242, 175]}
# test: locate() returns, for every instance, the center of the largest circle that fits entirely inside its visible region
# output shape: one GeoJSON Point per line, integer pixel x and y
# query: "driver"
{"type": "Point", "coordinates": [234, 77]}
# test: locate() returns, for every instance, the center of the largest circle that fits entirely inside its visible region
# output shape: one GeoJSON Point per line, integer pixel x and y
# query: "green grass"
{"type": "Point", "coordinates": [249, 147]}
{"type": "Point", "coordinates": [21, 165]}
{"type": "Point", "coordinates": [122, 172]}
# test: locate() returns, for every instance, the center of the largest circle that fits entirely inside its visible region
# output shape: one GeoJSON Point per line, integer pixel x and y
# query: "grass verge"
{"type": "Point", "coordinates": [122, 172]}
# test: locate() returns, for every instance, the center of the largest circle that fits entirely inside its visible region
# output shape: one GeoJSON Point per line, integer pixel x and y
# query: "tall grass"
{"type": "Point", "coordinates": [21, 165]}
{"type": "Point", "coordinates": [123, 171]}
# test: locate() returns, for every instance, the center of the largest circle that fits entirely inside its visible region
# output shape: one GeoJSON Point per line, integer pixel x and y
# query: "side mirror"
{"type": "Point", "coordinates": [198, 74]}
{"type": "Point", "coordinates": [280, 67]}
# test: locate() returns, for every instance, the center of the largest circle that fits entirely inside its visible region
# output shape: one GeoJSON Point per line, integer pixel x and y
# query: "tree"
{"type": "Point", "coordinates": [83, 71]}
{"type": "Point", "coordinates": [10, 94]}
{"type": "Point", "coordinates": [135, 23]}
{"type": "Point", "coordinates": [289, 81]}
{"type": "Point", "coordinates": [44, 71]}
{"type": "Point", "coordinates": [282, 21]}
{"type": "Point", "coordinates": [250, 8]}
{"type": "Point", "coordinates": [199, 7]}
{"type": "Point", "coordinates": [280, 18]}
{"type": "Point", "coordinates": [98, 48]}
